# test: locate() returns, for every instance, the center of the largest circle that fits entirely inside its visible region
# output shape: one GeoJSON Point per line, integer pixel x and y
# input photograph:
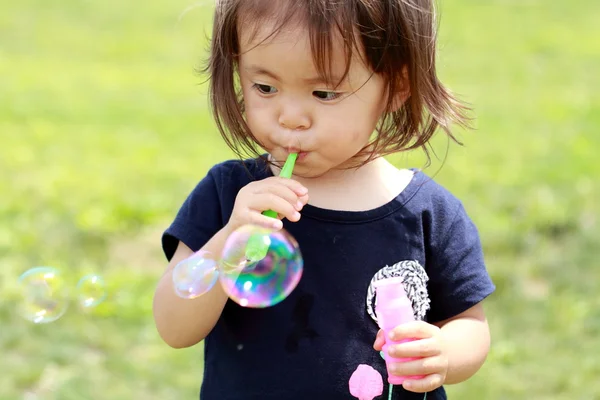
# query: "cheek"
{"type": "Point", "coordinates": [348, 126]}
{"type": "Point", "coordinates": [256, 113]}
{"type": "Point", "coordinates": [363, 124]}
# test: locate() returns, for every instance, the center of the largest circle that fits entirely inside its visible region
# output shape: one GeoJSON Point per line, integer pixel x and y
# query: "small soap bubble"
{"type": "Point", "coordinates": [44, 295]}
{"type": "Point", "coordinates": [260, 267]}
{"type": "Point", "coordinates": [195, 275]}
{"type": "Point", "coordinates": [91, 291]}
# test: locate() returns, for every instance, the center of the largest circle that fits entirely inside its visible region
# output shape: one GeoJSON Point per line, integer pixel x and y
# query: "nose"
{"type": "Point", "coordinates": [294, 117]}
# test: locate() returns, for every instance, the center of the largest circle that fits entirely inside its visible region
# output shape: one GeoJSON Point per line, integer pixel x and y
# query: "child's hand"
{"type": "Point", "coordinates": [428, 346]}
{"type": "Point", "coordinates": [284, 196]}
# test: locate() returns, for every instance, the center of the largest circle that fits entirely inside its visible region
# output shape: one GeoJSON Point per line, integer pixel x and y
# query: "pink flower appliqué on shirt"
{"type": "Point", "coordinates": [366, 383]}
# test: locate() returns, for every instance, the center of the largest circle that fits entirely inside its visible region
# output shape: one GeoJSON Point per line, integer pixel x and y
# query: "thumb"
{"type": "Point", "coordinates": [379, 340]}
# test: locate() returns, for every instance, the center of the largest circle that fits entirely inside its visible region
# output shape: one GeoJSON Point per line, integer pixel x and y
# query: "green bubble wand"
{"type": "Point", "coordinates": [257, 246]}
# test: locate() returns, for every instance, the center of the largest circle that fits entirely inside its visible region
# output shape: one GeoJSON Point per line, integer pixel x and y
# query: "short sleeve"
{"type": "Point", "coordinates": [198, 219]}
{"type": "Point", "coordinates": [458, 278]}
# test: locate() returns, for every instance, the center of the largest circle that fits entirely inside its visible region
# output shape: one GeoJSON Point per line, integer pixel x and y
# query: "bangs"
{"type": "Point", "coordinates": [327, 23]}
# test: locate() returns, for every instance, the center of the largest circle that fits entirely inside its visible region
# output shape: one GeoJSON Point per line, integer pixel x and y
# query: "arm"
{"type": "Point", "coordinates": [467, 341]}
{"type": "Point", "coordinates": [183, 322]}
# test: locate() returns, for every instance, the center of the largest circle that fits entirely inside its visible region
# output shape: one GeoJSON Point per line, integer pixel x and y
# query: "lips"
{"type": "Point", "coordinates": [301, 156]}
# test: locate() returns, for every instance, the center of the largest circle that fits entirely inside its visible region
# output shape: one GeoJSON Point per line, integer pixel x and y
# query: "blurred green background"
{"type": "Point", "coordinates": [104, 130]}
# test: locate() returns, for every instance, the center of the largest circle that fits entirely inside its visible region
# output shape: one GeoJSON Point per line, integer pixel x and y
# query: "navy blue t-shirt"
{"type": "Point", "coordinates": [308, 346]}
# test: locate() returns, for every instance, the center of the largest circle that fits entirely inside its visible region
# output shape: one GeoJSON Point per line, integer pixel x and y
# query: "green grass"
{"type": "Point", "coordinates": [104, 129]}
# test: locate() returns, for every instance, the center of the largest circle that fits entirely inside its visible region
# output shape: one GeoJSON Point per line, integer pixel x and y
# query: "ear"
{"type": "Point", "coordinates": [403, 93]}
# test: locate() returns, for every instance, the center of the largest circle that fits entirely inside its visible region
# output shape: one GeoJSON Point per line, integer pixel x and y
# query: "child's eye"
{"type": "Point", "coordinates": [265, 89]}
{"type": "Point", "coordinates": [327, 96]}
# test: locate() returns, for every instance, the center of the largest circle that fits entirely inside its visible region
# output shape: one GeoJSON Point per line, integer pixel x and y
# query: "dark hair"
{"type": "Point", "coordinates": [393, 34]}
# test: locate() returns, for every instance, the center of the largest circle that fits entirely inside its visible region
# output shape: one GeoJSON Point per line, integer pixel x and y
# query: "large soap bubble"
{"type": "Point", "coordinates": [260, 267]}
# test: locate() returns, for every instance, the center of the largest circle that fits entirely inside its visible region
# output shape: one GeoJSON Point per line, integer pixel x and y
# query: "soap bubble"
{"type": "Point", "coordinates": [91, 291]}
{"type": "Point", "coordinates": [44, 295]}
{"type": "Point", "coordinates": [195, 275]}
{"type": "Point", "coordinates": [260, 267]}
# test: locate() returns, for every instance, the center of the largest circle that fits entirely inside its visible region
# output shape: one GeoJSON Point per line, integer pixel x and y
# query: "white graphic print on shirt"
{"type": "Point", "coordinates": [414, 279]}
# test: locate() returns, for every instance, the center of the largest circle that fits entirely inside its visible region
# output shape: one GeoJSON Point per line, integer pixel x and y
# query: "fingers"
{"type": "Point", "coordinates": [423, 366]}
{"type": "Point", "coordinates": [416, 348]}
{"type": "Point", "coordinates": [379, 340]}
{"type": "Point", "coordinates": [303, 199]}
{"type": "Point", "coordinates": [414, 330]}
{"type": "Point", "coordinates": [284, 196]}
{"type": "Point", "coordinates": [294, 185]}
{"type": "Point", "coordinates": [285, 193]}
{"type": "Point", "coordinates": [299, 193]}
{"type": "Point", "coordinates": [256, 218]}
{"type": "Point", "coordinates": [270, 201]}
{"type": "Point", "coordinates": [427, 384]}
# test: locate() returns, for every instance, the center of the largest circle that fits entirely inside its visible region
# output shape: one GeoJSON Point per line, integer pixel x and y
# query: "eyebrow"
{"type": "Point", "coordinates": [258, 70]}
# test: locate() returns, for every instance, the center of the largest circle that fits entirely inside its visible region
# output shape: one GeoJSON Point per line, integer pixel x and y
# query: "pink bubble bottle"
{"type": "Point", "coordinates": [393, 308]}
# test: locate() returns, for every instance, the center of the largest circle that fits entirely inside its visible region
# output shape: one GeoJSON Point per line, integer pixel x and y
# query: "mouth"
{"type": "Point", "coordinates": [301, 156]}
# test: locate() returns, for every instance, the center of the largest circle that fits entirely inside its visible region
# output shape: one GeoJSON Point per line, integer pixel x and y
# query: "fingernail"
{"type": "Point", "coordinates": [277, 224]}
{"type": "Point", "coordinates": [392, 335]}
{"type": "Point", "coordinates": [302, 191]}
{"type": "Point", "coordinates": [299, 205]}
{"type": "Point", "coordinates": [296, 215]}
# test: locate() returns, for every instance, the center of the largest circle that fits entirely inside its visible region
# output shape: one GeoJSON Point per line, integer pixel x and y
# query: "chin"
{"type": "Point", "coordinates": [310, 173]}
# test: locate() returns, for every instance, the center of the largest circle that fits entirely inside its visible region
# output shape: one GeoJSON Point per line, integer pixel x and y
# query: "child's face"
{"type": "Point", "coordinates": [287, 110]}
